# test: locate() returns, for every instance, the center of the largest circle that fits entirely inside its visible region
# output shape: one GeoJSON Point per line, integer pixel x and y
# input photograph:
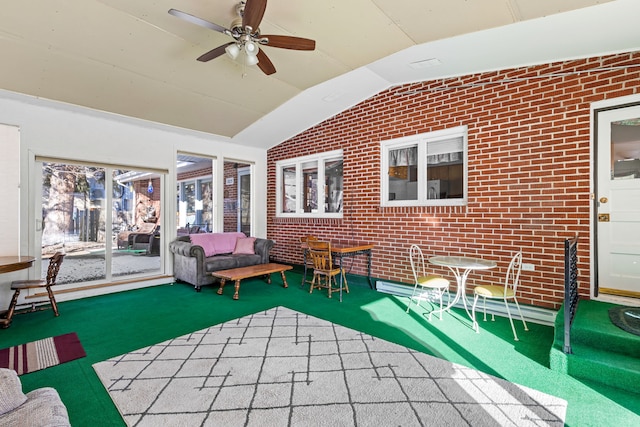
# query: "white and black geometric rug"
{"type": "Point", "coordinates": [284, 368]}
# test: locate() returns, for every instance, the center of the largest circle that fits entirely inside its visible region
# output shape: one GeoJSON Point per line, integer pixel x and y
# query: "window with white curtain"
{"type": "Point", "coordinates": [429, 169]}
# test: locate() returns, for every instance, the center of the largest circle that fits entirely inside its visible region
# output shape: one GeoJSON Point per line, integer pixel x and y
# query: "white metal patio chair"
{"type": "Point", "coordinates": [428, 283]}
{"type": "Point", "coordinates": [505, 292]}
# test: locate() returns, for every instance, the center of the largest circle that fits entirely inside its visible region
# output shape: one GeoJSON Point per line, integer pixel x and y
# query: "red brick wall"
{"type": "Point", "coordinates": [529, 172]}
{"type": "Point", "coordinates": [194, 174]}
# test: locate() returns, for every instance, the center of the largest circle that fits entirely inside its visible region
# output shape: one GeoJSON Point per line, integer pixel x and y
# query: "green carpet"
{"type": "Point", "coordinates": [601, 352]}
{"type": "Point", "coordinates": [115, 324]}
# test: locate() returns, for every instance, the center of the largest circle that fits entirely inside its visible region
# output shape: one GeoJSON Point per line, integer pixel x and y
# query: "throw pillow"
{"type": "Point", "coordinates": [11, 395]}
{"type": "Point", "coordinates": [245, 246]}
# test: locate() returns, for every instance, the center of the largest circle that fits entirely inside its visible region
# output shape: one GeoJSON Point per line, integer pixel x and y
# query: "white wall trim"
{"type": "Point", "coordinates": [530, 313]}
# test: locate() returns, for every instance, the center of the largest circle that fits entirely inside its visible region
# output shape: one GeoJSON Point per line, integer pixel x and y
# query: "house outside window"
{"type": "Point", "coordinates": [429, 169]}
{"type": "Point", "coordinates": [310, 186]}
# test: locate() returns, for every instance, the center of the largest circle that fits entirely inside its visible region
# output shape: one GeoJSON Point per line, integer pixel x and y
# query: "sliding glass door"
{"type": "Point", "coordinates": [105, 218]}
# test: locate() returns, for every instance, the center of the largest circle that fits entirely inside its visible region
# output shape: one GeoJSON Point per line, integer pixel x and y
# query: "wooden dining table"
{"type": "Point", "coordinates": [9, 264]}
{"type": "Point", "coordinates": [345, 249]}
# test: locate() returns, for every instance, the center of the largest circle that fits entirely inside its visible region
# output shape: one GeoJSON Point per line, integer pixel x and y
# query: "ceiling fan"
{"type": "Point", "coordinates": [246, 36]}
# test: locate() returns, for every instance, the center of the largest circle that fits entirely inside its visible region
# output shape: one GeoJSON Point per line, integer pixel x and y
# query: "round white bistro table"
{"type": "Point", "coordinates": [461, 266]}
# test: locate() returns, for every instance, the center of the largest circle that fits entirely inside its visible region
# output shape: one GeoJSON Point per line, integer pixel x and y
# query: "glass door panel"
{"type": "Point", "coordinates": [107, 228]}
{"type": "Point", "coordinates": [136, 235]}
{"type": "Point", "coordinates": [194, 194]}
{"type": "Point", "coordinates": [237, 180]}
{"type": "Point", "coordinates": [73, 218]}
{"type": "Point", "coordinates": [244, 200]}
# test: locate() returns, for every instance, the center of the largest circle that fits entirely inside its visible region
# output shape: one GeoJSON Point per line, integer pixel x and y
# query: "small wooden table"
{"type": "Point", "coordinates": [237, 274]}
{"type": "Point", "coordinates": [14, 263]}
{"type": "Point", "coordinates": [7, 265]}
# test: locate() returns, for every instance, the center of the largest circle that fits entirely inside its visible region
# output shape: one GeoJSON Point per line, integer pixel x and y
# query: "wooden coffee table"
{"type": "Point", "coordinates": [237, 274]}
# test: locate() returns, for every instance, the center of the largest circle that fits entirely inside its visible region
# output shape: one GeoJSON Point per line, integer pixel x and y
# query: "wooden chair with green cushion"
{"type": "Point", "coordinates": [428, 283]}
{"type": "Point", "coordinates": [52, 273]}
{"type": "Point", "coordinates": [505, 292]}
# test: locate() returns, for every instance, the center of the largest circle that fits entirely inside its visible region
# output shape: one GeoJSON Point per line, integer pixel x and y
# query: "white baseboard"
{"type": "Point", "coordinates": [531, 313]}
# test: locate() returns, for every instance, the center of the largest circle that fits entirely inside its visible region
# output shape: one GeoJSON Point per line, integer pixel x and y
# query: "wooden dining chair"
{"type": "Point", "coordinates": [429, 284]}
{"type": "Point", "coordinates": [507, 291]}
{"type": "Point", "coordinates": [307, 261]}
{"type": "Point", "coordinates": [324, 271]}
{"type": "Point", "coordinates": [18, 285]}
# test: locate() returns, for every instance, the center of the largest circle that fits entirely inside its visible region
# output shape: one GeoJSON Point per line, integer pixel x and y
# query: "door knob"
{"type": "Point", "coordinates": [603, 200]}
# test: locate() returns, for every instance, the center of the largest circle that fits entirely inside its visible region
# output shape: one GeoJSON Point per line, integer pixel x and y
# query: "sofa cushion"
{"type": "Point", "coordinates": [11, 395]}
{"type": "Point", "coordinates": [221, 262]}
{"type": "Point", "coordinates": [247, 260]}
{"type": "Point", "coordinates": [245, 246]}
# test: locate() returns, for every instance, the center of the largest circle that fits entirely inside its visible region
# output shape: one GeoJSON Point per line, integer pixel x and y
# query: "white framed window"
{"type": "Point", "coordinates": [310, 186]}
{"type": "Point", "coordinates": [429, 169]}
{"type": "Point", "coordinates": [194, 199]}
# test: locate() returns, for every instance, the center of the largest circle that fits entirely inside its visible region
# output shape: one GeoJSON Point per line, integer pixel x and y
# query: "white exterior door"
{"type": "Point", "coordinates": [618, 202]}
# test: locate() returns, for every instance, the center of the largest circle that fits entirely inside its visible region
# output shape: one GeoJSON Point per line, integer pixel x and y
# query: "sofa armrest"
{"type": "Point", "coordinates": [189, 262]}
{"type": "Point", "coordinates": [262, 247]}
{"type": "Point", "coordinates": [11, 395]}
{"type": "Point", "coordinates": [40, 407]}
{"type": "Point", "coordinates": [180, 247]}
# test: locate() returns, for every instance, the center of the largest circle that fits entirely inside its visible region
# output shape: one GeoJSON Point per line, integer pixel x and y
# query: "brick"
{"type": "Point", "coordinates": [529, 171]}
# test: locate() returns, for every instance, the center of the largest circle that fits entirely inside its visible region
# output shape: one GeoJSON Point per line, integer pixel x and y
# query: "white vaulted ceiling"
{"type": "Point", "coordinates": [133, 58]}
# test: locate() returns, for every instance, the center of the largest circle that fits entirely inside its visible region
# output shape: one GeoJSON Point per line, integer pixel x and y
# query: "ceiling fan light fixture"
{"type": "Point", "coordinates": [232, 50]}
{"type": "Point", "coordinates": [250, 60]}
{"type": "Point", "coordinates": [251, 48]}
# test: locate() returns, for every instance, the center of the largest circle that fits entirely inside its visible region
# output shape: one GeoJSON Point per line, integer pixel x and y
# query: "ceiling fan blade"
{"type": "Point", "coordinates": [265, 64]}
{"type": "Point", "coordinates": [288, 42]}
{"type": "Point", "coordinates": [214, 53]}
{"type": "Point", "coordinates": [197, 21]}
{"type": "Point", "coordinates": [253, 13]}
